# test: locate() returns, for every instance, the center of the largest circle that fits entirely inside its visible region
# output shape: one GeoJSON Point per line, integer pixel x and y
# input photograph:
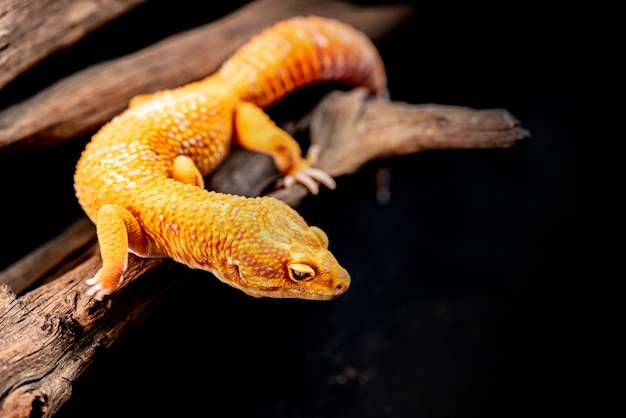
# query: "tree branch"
{"type": "Point", "coordinates": [31, 30]}
{"type": "Point", "coordinates": [81, 103]}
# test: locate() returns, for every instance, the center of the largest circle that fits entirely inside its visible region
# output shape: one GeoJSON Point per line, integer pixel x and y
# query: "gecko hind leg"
{"type": "Point", "coordinates": [118, 231]}
{"type": "Point", "coordinates": [254, 130]}
{"type": "Point", "coordinates": [185, 171]}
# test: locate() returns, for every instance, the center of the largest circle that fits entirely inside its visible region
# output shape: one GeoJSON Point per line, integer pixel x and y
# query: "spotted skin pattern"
{"type": "Point", "coordinates": [140, 179]}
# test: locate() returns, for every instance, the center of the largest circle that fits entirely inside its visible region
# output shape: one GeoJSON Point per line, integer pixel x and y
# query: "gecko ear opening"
{"type": "Point", "coordinates": [300, 272]}
{"type": "Point", "coordinates": [321, 235]}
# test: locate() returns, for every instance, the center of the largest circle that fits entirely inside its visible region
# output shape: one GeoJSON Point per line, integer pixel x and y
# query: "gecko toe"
{"type": "Point", "coordinates": [101, 294]}
{"type": "Point", "coordinates": [95, 288]}
{"type": "Point", "coordinates": [322, 177]}
{"type": "Point", "coordinates": [310, 177]}
{"type": "Point", "coordinates": [98, 292]}
{"type": "Point", "coordinates": [288, 181]}
{"type": "Point", "coordinates": [304, 178]}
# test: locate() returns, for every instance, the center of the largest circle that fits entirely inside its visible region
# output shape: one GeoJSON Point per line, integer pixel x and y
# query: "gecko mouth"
{"type": "Point", "coordinates": [287, 293]}
{"type": "Point", "coordinates": [279, 292]}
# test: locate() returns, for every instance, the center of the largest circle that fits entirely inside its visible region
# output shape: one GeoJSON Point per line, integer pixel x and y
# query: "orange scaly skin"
{"type": "Point", "coordinates": [140, 179]}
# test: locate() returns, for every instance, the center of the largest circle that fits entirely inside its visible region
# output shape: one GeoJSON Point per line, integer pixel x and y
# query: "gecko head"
{"type": "Point", "coordinates": [281, 256]}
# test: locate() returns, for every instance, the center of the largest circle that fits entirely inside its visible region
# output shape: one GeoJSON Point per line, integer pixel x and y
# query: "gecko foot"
{"type": "Point", "coordinates": [96, 290]}
{"type": "Point", "coordinates": [310, 177]}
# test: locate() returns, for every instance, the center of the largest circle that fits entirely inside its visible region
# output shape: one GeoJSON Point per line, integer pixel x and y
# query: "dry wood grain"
{"type": "Point", "coordinates": [53, 258]}
{"type": "Point", "coordinates": [31, 30]}
{"type": "Point", "coordinates": [81, 103]}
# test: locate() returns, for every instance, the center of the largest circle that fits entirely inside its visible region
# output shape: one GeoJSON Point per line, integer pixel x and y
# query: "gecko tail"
{"type": "Point", "coordinates": [301, 51]}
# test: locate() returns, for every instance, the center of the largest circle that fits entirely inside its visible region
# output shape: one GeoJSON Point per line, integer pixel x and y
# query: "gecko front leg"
{"type": "Point", "coordinates": [118, 231]}
{"type": "Point", "coordinates": [254, 130]}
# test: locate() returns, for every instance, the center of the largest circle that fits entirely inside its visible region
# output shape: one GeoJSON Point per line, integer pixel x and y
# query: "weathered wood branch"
{"type": "Point", "coordinates": [31, 30]}
{"type": "Point", "coordinates": [81, 103]}
{"type": "Point", "coordinates": [51, 334]}
{"type": "Point", "coordinates": [352, 130]}
{"type": "Point", "coordinates": [53, 258]}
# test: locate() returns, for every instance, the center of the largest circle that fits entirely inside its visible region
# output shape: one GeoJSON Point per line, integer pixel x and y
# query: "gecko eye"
{"type": "Point", "coordinates": [300, 272]}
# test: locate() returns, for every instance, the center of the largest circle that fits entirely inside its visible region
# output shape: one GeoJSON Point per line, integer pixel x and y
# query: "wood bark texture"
{"type": "Point", "coordinates": [83, 102]}
{"type": "Point", "coordinates": [31, 30]}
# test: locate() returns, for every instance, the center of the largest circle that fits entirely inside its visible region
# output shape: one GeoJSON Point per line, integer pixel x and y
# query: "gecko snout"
{"type": "Point", "coordinates": [323, 279]}
{"type": "Point", "coordinates": [341, 281]}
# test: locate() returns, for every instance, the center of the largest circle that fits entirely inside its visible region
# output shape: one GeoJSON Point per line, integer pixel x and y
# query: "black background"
{"type": "Point", "coordinates": [465, 297]}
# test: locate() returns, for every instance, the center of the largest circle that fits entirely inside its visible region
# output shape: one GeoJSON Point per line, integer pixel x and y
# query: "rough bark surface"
{"type": "Point", "coordinates": [31, 30]}
{"type": "Point", "coordinates": [84, 101]}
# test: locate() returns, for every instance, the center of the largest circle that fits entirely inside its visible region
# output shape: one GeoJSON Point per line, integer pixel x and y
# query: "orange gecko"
{"type": "Point", "coordinates": [140, 179]}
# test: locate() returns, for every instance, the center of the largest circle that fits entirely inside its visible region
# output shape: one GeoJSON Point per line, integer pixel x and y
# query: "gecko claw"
{"type": "Point", "coordinates": [322, 177]}
{"type": "Point", "coordinates": [287, 181]}
{"type": "Point", "coordinates": [96, 290]}
{"type": "Point", "coordinates": [309, 177]}
{"type": "Point", "coordinates": [304, 178]}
